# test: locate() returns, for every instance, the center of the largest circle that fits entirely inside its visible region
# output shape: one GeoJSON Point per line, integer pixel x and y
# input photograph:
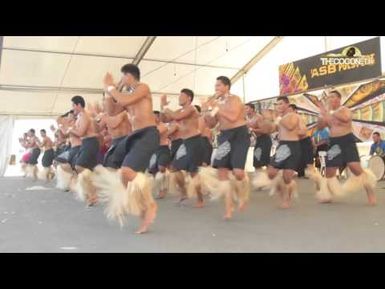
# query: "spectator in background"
{"type": "Point", "coordinates": [320, 140]}
{"type": "Point", "coordinates": [378, 146]}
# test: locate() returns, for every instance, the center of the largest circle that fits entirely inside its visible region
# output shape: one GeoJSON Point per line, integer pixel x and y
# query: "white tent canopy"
{"type": "Point", "coordinates": [39, 75]}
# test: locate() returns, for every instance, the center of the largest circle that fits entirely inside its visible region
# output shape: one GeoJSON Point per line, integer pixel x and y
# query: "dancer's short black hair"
{"type": "Point", "coordinates": [336, 92]}
{"type": "Point", "coordinates": [225, 80]}
{"type": "Point", "coordinates": [67, 113]}
{"type": "Point", "coordinates": [131, 69]}
{"type": "Point", "coordinates": [252, 106]}
{"type": "Point", "coordinates": [77, 99]}
{"type": "Point", "coordinates": [188, 92]}
{"type": "Point", "coordinates": [283, 98]}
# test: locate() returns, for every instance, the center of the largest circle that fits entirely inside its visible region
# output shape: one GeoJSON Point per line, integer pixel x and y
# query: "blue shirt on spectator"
{"type": "Point", "coordinates": [378, 148]}
{"type": "Point", "coordinates": [321, 134]}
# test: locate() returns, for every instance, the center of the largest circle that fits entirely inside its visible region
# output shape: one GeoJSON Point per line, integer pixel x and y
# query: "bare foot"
{"type": "Point", "coordinates": [325, 201]}
{"type": "Point", "coordinates": [92, 201]}
{"type": "Point", "coordinates": [285, 205]}
{"type": "Point", "coordinates": [242, 206]}
{"type": "Point", "coordinates": [372, 199]}
{"type": "Point", "coordinates": [91, 204]}
{"type": "Point", "coordinates": [161, 195]}
{"type": "Point", "coordinates": [143, 228]}
{"type": "Point", "coordinates": [151, 213]}
{"type": "Point", "coordinates": [228, 215]}
{"type": "Point", "coordinates": [149, 218]}
{"type": "Point", "coordinates": [181, 200]}
{"type": "Point", "coordinates": [199, 204]}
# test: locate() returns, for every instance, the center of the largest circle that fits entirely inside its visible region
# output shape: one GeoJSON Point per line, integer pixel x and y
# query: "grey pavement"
{"type": "Point", "coordinates": [49, 220]}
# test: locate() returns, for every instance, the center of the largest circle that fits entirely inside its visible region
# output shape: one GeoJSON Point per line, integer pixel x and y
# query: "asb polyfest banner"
{"type": "Point", "coordinates": [357, 62]}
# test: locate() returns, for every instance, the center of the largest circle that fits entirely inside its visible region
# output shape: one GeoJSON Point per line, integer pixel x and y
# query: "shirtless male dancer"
{"type": "Point", "coordinates": [134, 196]}
{"type": "Point", "coordinates": [343, 151]}
{"type": "Point", "coordinates": [287, 155]}
{"type": "Point", "coordinates": [307, 157]}
{"type": "Point", "coordinates": [48, 156]}
{"type": "Point", "coordinates": [86, 158]}
{"type": "Point", "coordinates": [262, 127]}
{"type": "Point", "coordinates": [33, 144]}
{"type": "Point", "coordinates": [207, 138]}
{"type": "Point", "coordinates": [228, 111]}
{"type": "Point", "coordinates": [161, 159]}
{"type": "Point", "coordinates": [119, 128]}
{"type": "Point", "coordinates": [189, 155]}
{"type": "Point", "coordinates": [66, 169]}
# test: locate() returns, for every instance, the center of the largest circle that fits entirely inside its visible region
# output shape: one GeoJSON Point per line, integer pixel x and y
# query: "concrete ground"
{"type": "Point", "coordinates": [48, 220]}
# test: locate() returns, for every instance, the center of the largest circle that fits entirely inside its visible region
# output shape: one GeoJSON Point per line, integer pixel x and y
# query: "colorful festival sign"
{"type": "Point", "coordinates": [357, 62]}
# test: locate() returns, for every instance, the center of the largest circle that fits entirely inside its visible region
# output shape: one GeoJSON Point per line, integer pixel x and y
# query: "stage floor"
{"type": "Point", "coordinates": [48, 220]}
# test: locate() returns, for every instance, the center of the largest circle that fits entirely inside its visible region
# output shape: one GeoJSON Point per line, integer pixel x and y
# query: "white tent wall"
{"type": "Point", "coordinates": [25, 103]}
{"type": "Point", "coordinates": [6, 130]}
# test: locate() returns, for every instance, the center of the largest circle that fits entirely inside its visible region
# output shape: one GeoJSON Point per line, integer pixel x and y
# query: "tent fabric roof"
{"type": "Point", "coordinates": [38, 75]}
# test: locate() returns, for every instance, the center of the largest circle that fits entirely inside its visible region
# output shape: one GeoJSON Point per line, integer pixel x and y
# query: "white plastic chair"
{"type": "Point", "coordinates": [322, 158]}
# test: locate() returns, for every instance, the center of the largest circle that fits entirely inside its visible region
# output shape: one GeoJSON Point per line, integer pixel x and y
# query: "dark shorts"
{"type": "Point", "coordinates": [61, 149]}
{"type": "Point", "coordinates": [287, 156]}
{"type": "Point", "coordinates": [140, 145]}
{"type": "Point", "coordinates": [162, 157]}
{"type": "Point", "coordinates": [233, 145]}
{"type": "Point", "coordinates": [207, 150]}
{"type": "Point", "coordinates": [34, 156]}
{"type": "Point", "coordinates": [63, 156]}
{"type": "Point", "coordinates": [306, 151]}
{"type": "Point", "coordinates": [69, 156]}
{"type": "Point", "coordinates": [189, 155]}
{"type": "Point", "coordinates": [261, 155]}
{"type": "Point", "coordinates": [88, 153]}
{"type": "Point", "coordinates": [115, 155]}
{"type": "Point", "coordinates": [48, 157]}
{"type": "Point", "coordinates": [175, 144]}
{"type": "Point", "coordinates": [342, 150]}
{"type": "Point", "coordinates": [73, 155]}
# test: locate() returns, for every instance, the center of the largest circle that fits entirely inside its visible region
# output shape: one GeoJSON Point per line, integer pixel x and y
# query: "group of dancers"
{"type": "Point", "coordinates": [33, 146]}
{"type": "Point", "coordinates": [170, 151]}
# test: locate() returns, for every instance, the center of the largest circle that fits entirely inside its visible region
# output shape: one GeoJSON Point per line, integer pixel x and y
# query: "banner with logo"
{"type": "Point", "coordinates": [351, 63]}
